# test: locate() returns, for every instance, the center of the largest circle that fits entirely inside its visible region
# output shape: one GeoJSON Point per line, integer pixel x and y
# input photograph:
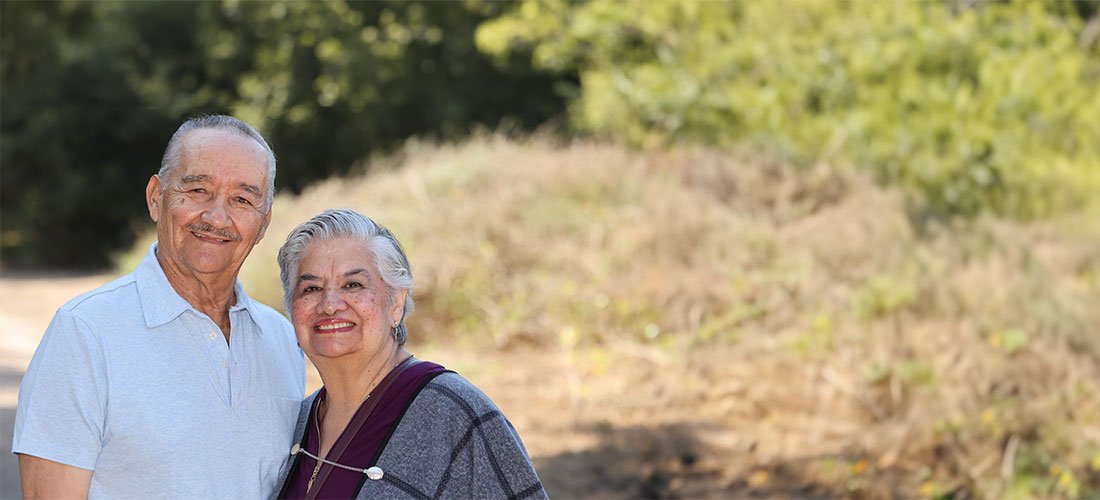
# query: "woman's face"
{"type": "Point", "coordinates": [340, 307]}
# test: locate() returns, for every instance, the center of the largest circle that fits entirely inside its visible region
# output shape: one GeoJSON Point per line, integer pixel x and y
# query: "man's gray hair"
{"type": "Point", "coordinates": [389, 257]}
{"type": "Point", "coordinates": [171, 158]}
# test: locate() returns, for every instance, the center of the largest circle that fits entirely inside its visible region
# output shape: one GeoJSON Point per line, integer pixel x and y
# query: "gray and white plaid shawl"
{"type": "Point", "coordinates": [453, 442]}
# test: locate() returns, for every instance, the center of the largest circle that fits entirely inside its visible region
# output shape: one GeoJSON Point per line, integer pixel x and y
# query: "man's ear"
{"type": "Point", "coordinates": [267, 222]}
{"type": "Point", "coordinates": [152, 197]}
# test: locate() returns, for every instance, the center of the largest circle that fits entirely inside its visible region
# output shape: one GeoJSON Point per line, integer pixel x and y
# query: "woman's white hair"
{"type": "Point", "coordinates": [389, 257]}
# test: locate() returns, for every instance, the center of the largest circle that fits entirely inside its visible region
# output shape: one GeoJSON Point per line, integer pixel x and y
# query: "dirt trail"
{"type": "Point", "coordinates": [27, 303]}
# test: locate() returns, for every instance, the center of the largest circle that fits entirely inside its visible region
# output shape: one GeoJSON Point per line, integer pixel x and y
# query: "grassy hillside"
{"type": "Point", "coordinates": [712, 323]}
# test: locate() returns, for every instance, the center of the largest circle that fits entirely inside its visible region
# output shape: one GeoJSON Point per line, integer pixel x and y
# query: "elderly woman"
{"type": "Point", "coordinates": [385, 424]}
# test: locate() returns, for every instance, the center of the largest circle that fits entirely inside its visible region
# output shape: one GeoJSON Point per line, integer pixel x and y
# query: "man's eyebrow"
{"type": "Point", "coordinates": [251, 189]}
{"type": "Point", "coordinates": [187, 179]}
{"type": "Point", "coordinates": [308, 277]}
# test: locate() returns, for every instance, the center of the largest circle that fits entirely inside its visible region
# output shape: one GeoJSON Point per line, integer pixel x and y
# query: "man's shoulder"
{"type": "Point", "coordinates": [268, 318]}
{"type": "Point", "coordinates": [267, 313]}
{"type": "Point", "coordinates": [275, 331]}
{"type": "Point", "coordinates": [113, 298]}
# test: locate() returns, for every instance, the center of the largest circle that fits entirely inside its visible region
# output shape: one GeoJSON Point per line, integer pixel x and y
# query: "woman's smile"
{"type": "Point", "coordinates": [333, 326]}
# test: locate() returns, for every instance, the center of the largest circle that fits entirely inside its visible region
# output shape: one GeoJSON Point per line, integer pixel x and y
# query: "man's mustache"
{"type": "Point", "coordinates": [211, 230]}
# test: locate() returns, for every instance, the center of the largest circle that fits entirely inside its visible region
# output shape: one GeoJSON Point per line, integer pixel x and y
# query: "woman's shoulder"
{"type": "Point", "coordinates": [451, 390]}
{"type": "Point", "coordinates": [303, 412]}
{"type": "Point", "coordinates": [453, 442]}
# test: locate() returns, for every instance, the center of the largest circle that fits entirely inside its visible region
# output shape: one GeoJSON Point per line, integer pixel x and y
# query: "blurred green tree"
{"type": "Point", "coordinates": [976, 105]}
{"type": "Point", "coordinates": [77, 141]}
{"type": "Point", "coordinates": [340, 79]}
{"type": "Point", "coordinates": [92, 91]}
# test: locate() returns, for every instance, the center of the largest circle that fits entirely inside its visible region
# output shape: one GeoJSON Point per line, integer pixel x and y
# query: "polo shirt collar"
{"type": "Point", "coordinates": [160, 303]}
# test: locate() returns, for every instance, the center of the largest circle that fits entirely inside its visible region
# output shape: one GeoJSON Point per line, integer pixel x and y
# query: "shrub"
{"type": "Point", "coordinates": [990, 107]}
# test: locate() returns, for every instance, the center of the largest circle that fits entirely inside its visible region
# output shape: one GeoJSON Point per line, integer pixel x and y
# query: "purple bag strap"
{"type": "Point", "coordinates": [360, 419]}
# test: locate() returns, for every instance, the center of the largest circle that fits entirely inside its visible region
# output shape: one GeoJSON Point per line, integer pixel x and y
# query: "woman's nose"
{"type": "Point", "coordinates": [331, 302]}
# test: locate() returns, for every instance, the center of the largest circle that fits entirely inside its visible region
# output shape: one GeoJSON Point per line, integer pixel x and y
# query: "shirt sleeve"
{"type": "Point", "coordinates": [63, 397]}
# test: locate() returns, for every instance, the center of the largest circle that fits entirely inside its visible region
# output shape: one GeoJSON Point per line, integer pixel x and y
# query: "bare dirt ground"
{"type": "Point", "coordinates": [27, 303]}
{"type": "Point", "coordinates": [623, 421]}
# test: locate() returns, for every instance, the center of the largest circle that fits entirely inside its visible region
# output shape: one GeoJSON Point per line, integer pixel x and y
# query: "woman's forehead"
{"type": "Point", "coordinates": [341, 255]}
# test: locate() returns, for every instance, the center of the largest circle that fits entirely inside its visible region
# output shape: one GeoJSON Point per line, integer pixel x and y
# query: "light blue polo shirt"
{"type": "Point", "coordinates": [132, 382]}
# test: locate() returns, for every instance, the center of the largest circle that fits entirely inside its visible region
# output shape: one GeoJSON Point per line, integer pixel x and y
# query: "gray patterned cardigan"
{"type": "Point", "coordinates": [453, 442]}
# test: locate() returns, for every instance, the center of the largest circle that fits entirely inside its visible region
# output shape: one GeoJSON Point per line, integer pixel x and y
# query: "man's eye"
{"type": "Point", "coordinates": [310, 289]}
{"type": "Point", "coordinates": [244, 201]}
{"type": "Point", "coordinates": [197, 190]}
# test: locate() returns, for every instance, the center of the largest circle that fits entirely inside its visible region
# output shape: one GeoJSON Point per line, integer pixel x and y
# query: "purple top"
{"type": "Point", "coordinates": [362, 442]}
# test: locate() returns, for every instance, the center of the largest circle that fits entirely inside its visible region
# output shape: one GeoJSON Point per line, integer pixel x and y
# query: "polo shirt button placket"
{"type": "Point", "coordinates": [213, 336]}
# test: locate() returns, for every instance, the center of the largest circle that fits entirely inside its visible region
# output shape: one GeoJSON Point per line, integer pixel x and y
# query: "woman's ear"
{"type": "Point", "coordinates": [397, 310]}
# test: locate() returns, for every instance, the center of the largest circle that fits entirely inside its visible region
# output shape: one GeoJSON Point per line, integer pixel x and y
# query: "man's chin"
{"type": "Point", "coordinates": [211, 264]}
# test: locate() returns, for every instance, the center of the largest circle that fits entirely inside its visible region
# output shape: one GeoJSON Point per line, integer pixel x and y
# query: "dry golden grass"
{"type": "Point", "coordinates": [711, 324]}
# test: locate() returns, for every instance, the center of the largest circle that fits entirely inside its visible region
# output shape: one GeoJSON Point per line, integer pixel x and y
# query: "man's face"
{"type": "Point", "coordinates": [210, 211]}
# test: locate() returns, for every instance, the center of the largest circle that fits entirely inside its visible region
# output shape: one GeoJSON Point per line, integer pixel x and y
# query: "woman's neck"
{"type": "Point", "coordinates": [347, 387]}
{"type": "Point", "coordinates": [347, 383]}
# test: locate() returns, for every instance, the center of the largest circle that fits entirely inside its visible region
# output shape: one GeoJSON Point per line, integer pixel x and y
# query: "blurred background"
{"type": "Point", "coordinates": [801, 248]}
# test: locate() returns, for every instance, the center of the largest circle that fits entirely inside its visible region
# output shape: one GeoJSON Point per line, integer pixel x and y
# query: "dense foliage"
{"type": "Point", "coordinates": [976, 105]}
{"type": "Point", "coordinates": [973, 105]}
{"type": "Point", "coordinates": [92, 91]}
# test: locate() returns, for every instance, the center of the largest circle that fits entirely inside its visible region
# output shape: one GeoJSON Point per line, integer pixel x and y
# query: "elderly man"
{"type": "Point", "coordinates": [170, 381]}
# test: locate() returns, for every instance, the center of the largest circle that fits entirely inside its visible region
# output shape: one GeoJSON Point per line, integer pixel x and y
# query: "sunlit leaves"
{"type": "Point", "coordinates": [991, 106]}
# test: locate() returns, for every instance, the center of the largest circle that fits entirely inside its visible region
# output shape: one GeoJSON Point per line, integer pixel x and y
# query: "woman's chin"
{"type": "Point", "coordinates": [329, 351]}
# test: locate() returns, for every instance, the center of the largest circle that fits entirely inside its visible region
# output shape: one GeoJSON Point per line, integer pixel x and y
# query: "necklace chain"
{"type": "Point", "coordinates": [321, 409]}
{"type": "Point", "coordinates": [312, 478]}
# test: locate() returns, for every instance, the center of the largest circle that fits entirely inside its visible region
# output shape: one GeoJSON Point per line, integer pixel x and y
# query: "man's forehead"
{"type": "Point", "coordinates": [212, 172]}
{"type": "Point", "coordinates": [205, 179]}
{"type": "Point", "coordinates": [216, 154]}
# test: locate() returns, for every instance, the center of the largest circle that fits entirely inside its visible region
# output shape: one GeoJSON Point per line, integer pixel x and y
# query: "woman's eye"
{"type": "Point", "coordinates": [310, 289]}
{"type": "Point", "coordinates": [353, 284]}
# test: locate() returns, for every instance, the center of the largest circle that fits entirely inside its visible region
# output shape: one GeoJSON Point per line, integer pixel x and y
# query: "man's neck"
{"type": "Point", "coordinates": [211, 294]}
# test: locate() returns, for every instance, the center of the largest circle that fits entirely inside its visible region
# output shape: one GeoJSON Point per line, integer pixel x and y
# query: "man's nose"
{"type": "Point", "coordinates": [217, 212]}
